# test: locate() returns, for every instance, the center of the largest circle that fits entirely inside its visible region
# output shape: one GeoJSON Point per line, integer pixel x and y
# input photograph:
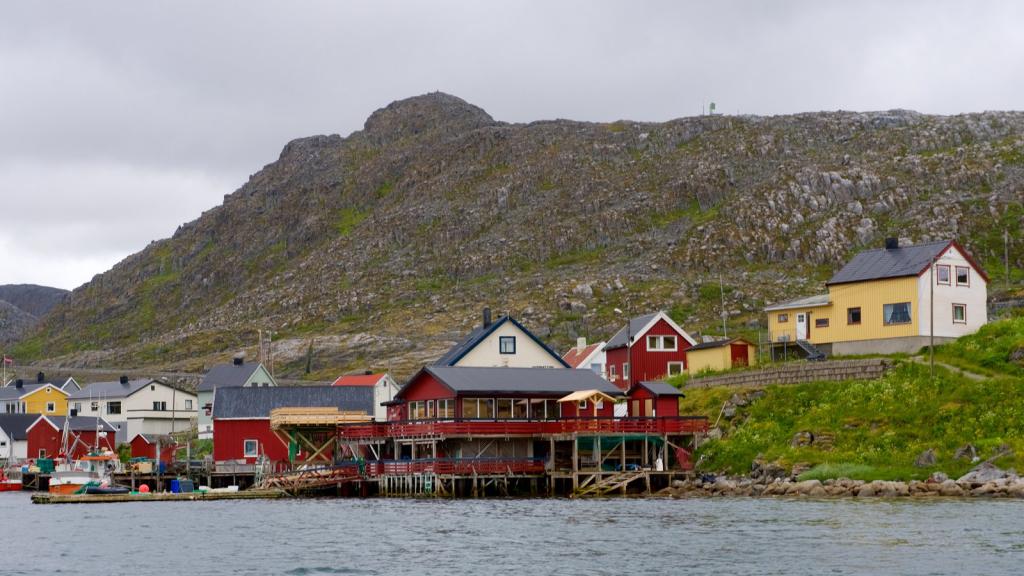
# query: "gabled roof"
{"type": "Point", "coordinates": [576, 356]}
{"type": "Point", "coordinates": [359, 379]}
{"type": "Point", "coordinates": [12, 392]}
{"type": "Point", "coordinates": [896, 262]}
{"type": "Point", "coordinates": [70, 385]}
{"type": "Point", "coordinates": [480, 333]}
{"type": "Point", "coordinates": [228, 376]}
{"type": "Point", "coordinates": [636, 327]}
{"type": "Point", "coordinates": [501, 380]}
{"type": "Point", "coordinates": [16, 425]}
{"type": "Point", "coordinates": [77, 423]}
{"type": "Point", "coordinates": [115, 389]}
{"type": "Point", "coordinates": [256, 403]}
{"type": "Point", "coordinates": [164, 439]}
{"type": "Point", "coordinates": [716, 344]}
{"type": "Point", "coordinates": [658, 388]}
{"type": "Point", "coordinates": [806, 302]}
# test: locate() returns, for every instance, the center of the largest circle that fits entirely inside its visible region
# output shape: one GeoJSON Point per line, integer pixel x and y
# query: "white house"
{"type": "Point", "coordinates": [14, 436]}
{"type": "Point", "coordinates": [133, 407]}
{"type": "Point", "coordinates": [587, 357]}
{"type": "Point", "coordinates": [502, 343]}
{"type": "Point", "coordinates": [384, 390]}
{"type": "Point", "coordinates": [238, 374]}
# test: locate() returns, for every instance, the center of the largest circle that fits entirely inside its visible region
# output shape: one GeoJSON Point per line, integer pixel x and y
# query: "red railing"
{"type": "Point", "coordinates": [458, 466]}
{"type": "Point", "coordinates": [468, 428]}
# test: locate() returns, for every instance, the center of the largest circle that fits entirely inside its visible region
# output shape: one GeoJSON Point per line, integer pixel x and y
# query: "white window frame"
{"type": "Point", "coordinates": [77, 406]}
{"type": "Point", "coordinates": [939, 268]}
{"type": "Point", "coordinates": [625, 370]}
{"type": "Point", "coordinates": [245, 448]}
{"type": "Point", "coordinates": [582, 405]}
{"type": "Point", "coordinates": [94, 406]}
{"type": "Point", "coordinates": [965, 269]}
{"type": "Point", "coordinates": [188, 404]}
{"type": "Point", "coordinates": [109, 404]}
{"type": "Point", "coordinates": [964, 308]}
{"type": "Point", "coordinates": [51, 406]}
{"type": "Point", "coordinates": [668, 368]}
{"type": "Point", "coordinates": [659, 342]}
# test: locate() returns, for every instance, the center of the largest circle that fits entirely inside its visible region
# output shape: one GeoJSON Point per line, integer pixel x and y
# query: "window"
{"type": "Point", "coordinates": [158, 406]}
{"type": "Point", "coordinates": [51, 406]}
{"type": "Point", "coordinates": [42, 452]}
{"type": "Point", "coordinates": [896, 313]}
{"type": "Point", "coordinates": [430, 409]}
{"type": "Point", "coordinates": [251, 448]}
{"type": "Point", "coordinates": [853, 315]}
{"type": "Point", "coordinates": [94, 406]}
{"type": "Point", "coordinates": [520, 409]}
{"type": "Point", "coordinates": [188, 404]}
{"type": "Point", "coordinates": [821, 322]}
{"type": "Point", "coordinates": [783, 318]}
{"type": "Point", "coordinates": [963, 276]}
{"type": "Point", "coordinates": [152, 387]}
{"type": "Point", "coordinates": [77, 406]}
{"type": "Point", "coordinates": [611, 372]}
{"type": "Point", "coordinates": [675, 368]}
{"type": "Point", "coordinates": [507, 344]}
{"type": "Point", "coordinates": [470, 409]}
{"type": "Point", "coordinates": [114, 408]}
{"type": "Point", "coordinates": [942, 274]}
{"type": "Point", "coordinates": [446, 409]}
{"type": "Point", "coordinates": [959, 313]}
{"type": "Point", "coordinates": [597, 368]}
{"type": "Point", "coordinates": [625, 370]}
{"type": "Point", "coordinates": [661, 343]}
{"type": "Point", "coordinates": [543, 409]}
{"type": "Point", "coordinates": [487, 407]}
{"type": "Point", "coordinates": [504, 408]}
{"type": "Point", "coordinates": [582, 405]}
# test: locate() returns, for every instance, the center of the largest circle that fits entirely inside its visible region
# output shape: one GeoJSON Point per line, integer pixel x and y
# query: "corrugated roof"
{"type": "Point", "coordinates": [16, 425]}
{"type": "Point", "coordinates": [806, 302]}
{"type": "Point", "coordinates": [548, 381]}
{"type": "Point", "coordinates": [630, 330]}
{"type": "Point", "coordinates": [110, 389]}
{"type": "Point", "coordinates": [453, 355]}
{"type": "Point", "coordinates": [889, 263]}
{"type": "Point", "coordinates": [235, 402]}
{"type": "Point", "coordinates": [661, 388]}
{"type": "Point", "coordinates": [576, 356]}
{"type": "Point", "coordinates": [227, 376]}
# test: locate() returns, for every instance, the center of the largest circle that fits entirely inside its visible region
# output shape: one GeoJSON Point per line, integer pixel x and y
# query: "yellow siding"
{"type": "Point", "coordinates": [870, 297]}
{"type": "Point", "coordinates": [715, 359]}
{"type": "Point", "coordinates": [35, 403]}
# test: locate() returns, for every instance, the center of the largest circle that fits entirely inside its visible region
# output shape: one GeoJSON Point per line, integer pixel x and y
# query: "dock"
{"type": "Point", "coordinates": [47, 498]}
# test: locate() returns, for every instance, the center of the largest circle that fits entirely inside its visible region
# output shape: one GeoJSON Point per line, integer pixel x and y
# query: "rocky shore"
{"type": "Point", "coordinates": [986, 480]}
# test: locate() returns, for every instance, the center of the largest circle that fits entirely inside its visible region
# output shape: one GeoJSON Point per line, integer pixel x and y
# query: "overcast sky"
{"type": "Point", "coordinates": [121, 120]}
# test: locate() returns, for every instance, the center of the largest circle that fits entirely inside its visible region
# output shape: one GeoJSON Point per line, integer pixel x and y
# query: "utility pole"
{"type": "Point", "coordinates": [721, 291]}
{"type": "Point", "coordinates": [1006, 256]}
{"type": "Point", "coordinates": [931, 322]}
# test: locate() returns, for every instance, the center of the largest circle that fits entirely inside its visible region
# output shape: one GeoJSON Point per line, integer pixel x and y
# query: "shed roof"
{"type": "Point", "coordinates": [252, 403]}
{"type": "Point", "coordinates": [16, 425]}
{"type": "Point", "coordinates": [111, 389]}
{"type": "Point", "coordinates": [545, 381]}
{"type": "Point", "coordinates": [660, 388]}
{"type": "Point", "coordinates": [228, 376]}
{"type": "Point", "coordinates": [455, 353]}
{"type": "Point", "coordinates": [359, 379]}
{"type": "Point", "coordinates": [716, 344]}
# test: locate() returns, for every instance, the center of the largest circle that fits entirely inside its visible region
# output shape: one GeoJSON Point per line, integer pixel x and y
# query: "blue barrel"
{"type": "Point", "coordinates": [175, 486]}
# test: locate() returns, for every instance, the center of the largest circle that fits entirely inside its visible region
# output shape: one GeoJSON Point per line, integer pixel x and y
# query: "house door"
{"type": "Point", "coordinates": [739, 354]}
{"type": "Point", "coordinates": [801, 326]}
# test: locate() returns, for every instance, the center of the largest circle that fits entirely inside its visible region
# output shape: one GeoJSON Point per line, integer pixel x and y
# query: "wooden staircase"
{"type": "Point", "coordinates": [608, 484]}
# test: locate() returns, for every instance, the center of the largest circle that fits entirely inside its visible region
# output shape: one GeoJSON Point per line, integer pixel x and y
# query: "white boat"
{"type": "Point", "coordinates": [71, 477]}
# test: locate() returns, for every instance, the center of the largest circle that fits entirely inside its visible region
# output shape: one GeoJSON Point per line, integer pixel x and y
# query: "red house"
{"type": "Point", "coordinates": [241, 417]}
{"type": "Point", "coordinates": [647, 348]}
{"type": "Point", "coordinates": [145, 446]}
{"type": "Point", "coordinates": [653, 400]}
{"type": "Point", "coordinates": [84, 434]}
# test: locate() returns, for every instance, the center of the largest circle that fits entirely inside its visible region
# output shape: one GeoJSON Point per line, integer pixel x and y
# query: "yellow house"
{"type": "Point", "coordinates": [44, 398]}
{"type": "Point", "coordinates": [720, 355]}
{"type": "Point", "coordinates": [886, 301]}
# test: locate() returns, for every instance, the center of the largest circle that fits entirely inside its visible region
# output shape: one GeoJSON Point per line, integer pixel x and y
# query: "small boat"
{"type": "Point", "coordinates": [107, 490]}
{"type": "Point", "coordinates": [71, 477]}
{"type": "Point", "coordinates": [10, 480]}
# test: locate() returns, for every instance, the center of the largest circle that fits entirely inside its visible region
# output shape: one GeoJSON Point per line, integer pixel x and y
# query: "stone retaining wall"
{"type": "Point", "coordinates": [798, 372]}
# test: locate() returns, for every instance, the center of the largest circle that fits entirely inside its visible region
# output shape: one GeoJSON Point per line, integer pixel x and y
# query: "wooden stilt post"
{"type": "Point", "coordinates": [575, 463]}
{"type": "Point", "coordinates": [622, 461]}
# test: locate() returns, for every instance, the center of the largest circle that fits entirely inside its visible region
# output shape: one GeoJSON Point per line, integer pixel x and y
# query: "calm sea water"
{"type": "Point", "coordinates": [528, 537]}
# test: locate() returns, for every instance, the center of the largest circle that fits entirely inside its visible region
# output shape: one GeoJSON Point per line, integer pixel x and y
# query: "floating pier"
{"type": "Point", "coordinates": [47, 498]}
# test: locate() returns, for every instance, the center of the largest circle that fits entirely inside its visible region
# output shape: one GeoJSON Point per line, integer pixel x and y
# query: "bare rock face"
{"type": "Point", "coordinates": [22, 306]}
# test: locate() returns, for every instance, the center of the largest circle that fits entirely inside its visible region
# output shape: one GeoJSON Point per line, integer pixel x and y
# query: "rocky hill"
{"type": "Point", "coordinates": [378, 249]}
{"type": "Point", "coordinates": [21, 307]}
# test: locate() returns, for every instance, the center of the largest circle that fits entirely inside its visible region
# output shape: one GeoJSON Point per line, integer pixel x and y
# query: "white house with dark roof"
{"type": "Point", "coordinates": [14, 436]}
{"type": "Point", "coordinates": [501, 343]}
{"type": "Point", "coordinates": [884, 301]}
{"type": "Point", "coordinates": [142, 406]}
{"type": "Point", "coordinates": [237, 374]}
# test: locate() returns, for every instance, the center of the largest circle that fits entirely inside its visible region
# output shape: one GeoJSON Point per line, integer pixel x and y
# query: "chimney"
{"type": "Point", "coordinates": [487, 317]}
{"type": "Point", "coordinates": [40, 377]}
{"type": "Point", "coordinates": [239, 360]}
{"type": "Point", "coordinates": [124, 380]}
{"type": "Point", "coordinates": [892, 243]}
{"type": "Point", "coordinates": [368, 372]}
{"type": "Point", "coordinates": [581, 343]}
{"type": "Point", "coordinates": [73, 413]}
{"type": "Point", "coordinates": [19, 383]}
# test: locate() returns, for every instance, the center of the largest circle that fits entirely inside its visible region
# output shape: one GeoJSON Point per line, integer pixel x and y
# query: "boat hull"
{"type": "Point", "coordinates": [10, 486]}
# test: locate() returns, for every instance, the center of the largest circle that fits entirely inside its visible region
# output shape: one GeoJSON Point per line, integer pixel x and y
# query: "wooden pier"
{"type": "Point", "coordinates": [47, 498]}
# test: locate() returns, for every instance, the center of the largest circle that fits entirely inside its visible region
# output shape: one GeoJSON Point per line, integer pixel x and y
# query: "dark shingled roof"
{"type": "Point", "coordinates": [13, 393]}
{"type": "Point", "coordinates": [453, 355]}
{"type": "Point", "coordinates": [661, 388]}
{"type": "Point", "coordinates": [258, 402]}
{"type": "Point", "coordinates": [548, 381]}
{"type": "Point", "coordinates": [631, 330]}
{"type": "Point", "coordinates": [82, 423]}
{"type": "Point", "coordinates": [110, 389]}
{"type": "Point", "coordinates": [227, 376]}
{"type": "Point", "coordinates": [16, 425]}
{"type": "Point", "coordinates": [891, 263]}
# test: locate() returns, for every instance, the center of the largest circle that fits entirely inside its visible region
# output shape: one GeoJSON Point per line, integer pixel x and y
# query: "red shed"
{"type": "Point", "coordinates": [45, 436]}
{"type": "Point", "coordinates": [653, 399]}
{"type": "Point", "coordinates": [647, 348]}
{"type": "Point", "coordinates": [144, 446]}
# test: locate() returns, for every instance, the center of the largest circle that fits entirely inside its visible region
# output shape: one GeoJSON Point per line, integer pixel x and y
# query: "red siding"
{"type": "Point", "coordinates": [646, 365]}
{"type": "Point", "coordinates": [143, 449]}
{"type": "Point", "coordinates": [571, 410]}
{"type": "Point", "coordinates": [229, 438]}
{"type": "Point", "coordinates": [44, 436]}
{"type": "Point", "coordinates": [426, 387]}
{"type": "Point", "coordinates": [664, 406]}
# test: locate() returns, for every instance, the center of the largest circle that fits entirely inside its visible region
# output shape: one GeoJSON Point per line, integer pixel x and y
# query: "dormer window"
{"type": "Point", "coordinates": [507, 344]}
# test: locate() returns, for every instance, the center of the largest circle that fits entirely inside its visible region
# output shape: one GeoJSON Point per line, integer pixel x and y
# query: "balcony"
{"type": "Point", "coordinates": [467, 428]}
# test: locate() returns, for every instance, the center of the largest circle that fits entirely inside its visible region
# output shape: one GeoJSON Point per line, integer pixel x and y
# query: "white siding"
{"type": "Point", "coordinates": [529, 354]}
{"type": "Point", "coordinates": [974, 297]}
{"type": "Point", "coordinates": [383, 391]}
{"type": "Point", "coordinates": [19, 448]}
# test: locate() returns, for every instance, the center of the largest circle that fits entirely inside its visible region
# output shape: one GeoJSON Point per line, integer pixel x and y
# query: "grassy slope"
{"type": "Point", "coordinates": [879, 427]}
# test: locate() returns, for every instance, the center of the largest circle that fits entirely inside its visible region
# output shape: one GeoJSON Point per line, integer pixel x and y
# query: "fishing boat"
{"type": "Point", "coordinates": [10, 480]}
{"type": "Point", "coordinates": [72, 476]}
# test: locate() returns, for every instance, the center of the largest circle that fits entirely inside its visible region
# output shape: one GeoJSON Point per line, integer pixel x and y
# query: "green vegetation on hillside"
{"type": "Point", "coordinates": [876, 429]}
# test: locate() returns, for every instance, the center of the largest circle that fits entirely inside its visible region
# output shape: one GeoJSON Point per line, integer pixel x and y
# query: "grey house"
{"type": "Point", "coordinates": [238, 374]}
